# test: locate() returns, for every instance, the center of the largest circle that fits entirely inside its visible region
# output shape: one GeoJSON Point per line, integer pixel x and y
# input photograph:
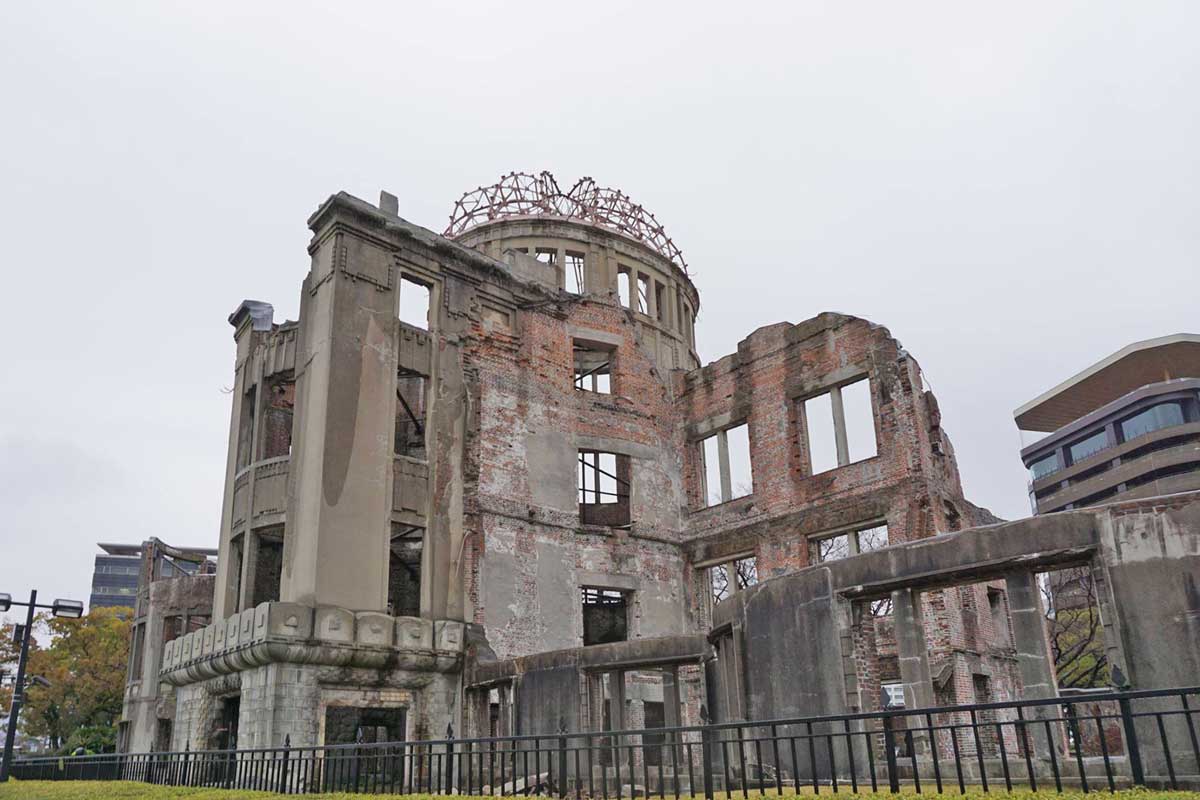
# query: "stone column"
{"type": "Point", "coordinates": [913, 652]}
{"type": "Point", "coordinates": [1033, 654]}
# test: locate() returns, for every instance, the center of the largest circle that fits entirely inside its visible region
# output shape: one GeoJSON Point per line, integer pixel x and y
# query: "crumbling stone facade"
{"type": "Point", "coordinates": [463, 442]}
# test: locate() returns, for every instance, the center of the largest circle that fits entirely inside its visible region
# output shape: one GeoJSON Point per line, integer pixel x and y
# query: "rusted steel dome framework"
{"type": "Point", "coordinates": [520, 194]}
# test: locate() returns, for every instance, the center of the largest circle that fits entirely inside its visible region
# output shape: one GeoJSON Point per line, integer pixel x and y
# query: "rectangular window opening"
{"type": "Point", "coordinates": [602, 483]}
{"type": "Point", "coordinates": [818, 427]}
{"type": "Point", "coordinates": [660, 302]}
{"type": "Point", "coordinates": [605, 615]}
{"type": "Point", "coordinates": [623, 287]}
{"type": "Point", "coordinates": [546, 255]}
{"type": "Point", "coordinates": [844, 544]}
{"type": "Point", "coordinates": [860, 420]}
{"type": "Point", "coordinates": [643, 293]}
{"type": "Point", "coordinates": [277, 419]}
{"type": "Point", "coordinates": [404, 570]}
{"type": "Point", "coordinates": [573, 273]}
{"type": "Point", "coordinates": [745, 574]}
{"type": "Point", "coordinates": [268, 567]}
{"type": "Point", "coordinates": [245, 447]}
{"type": "Point", "coordinates": [414, 303]}
{"type": "Point", "coordinates": [593, 366]}
{"type": "Point", "coordinates": [727, 469]}
{"type": "Point", "coordinates": [410, 414]}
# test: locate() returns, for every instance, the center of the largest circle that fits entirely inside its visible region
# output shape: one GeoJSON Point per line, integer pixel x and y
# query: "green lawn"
{"type": "Point", "coordinates": [124, 790]}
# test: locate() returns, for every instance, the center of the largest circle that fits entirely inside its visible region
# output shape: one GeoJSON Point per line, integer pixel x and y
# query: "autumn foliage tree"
{"type": "Point", "coordinates": [85, 664]}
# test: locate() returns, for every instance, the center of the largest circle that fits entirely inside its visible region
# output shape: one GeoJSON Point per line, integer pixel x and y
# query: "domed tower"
{"type": "Point", "coordinates": [590, 240]}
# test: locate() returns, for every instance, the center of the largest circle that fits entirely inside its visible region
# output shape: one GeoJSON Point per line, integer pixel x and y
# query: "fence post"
{"type": "Point", "coordinates": [449, 758]}
{"type": "Point", "coordinates": [706, 753]}
{"type": "Point", "coordinates": [562, 757]}
{"type": "Point", "coordinates": [187, 747]}
{"type": "Point", "coordinates": [889, 746]}
{"type": "Point", "coordinates": [1132, 751]}
{"type": "Point", "coordinates": [283, 769]}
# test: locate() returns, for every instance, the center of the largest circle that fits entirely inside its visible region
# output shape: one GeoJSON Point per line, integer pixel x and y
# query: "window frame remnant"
{"type": "Point", "coordinates": [551, 254]}
{"type": "Point", "coordinates": [744, 569]}
{"type": "Point", "coordinates": [599, 505]}
{"type": "Point", "coordinates": [845, 453]}
{"type": "Point", "coordinates": [848, 542]}
{"type": "Point", "coordinates": [593, 366]}
{"type": "Point", "coordinates": [575, 272]}
{"type": "Point", "coordinates": [596, 598]}
{"type": "Point", "coordinates": [727, 490]}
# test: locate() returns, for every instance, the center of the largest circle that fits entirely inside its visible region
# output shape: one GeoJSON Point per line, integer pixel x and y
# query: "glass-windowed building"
{"type": "Point", "coordinates": [1127, 426]}
{"type": "Point", "coordinates": [116, 572]}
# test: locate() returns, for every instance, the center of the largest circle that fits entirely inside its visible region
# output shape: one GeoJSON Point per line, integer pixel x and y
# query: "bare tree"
{"type": "Point", "coordinates": [1074, 628]}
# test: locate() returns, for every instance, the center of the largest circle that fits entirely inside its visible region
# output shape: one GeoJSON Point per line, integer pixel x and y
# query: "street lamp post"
{"type": "Point", "coordinates": [70, 609]}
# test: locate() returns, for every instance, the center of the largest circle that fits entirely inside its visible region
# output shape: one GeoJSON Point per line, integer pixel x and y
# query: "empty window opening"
{"type": "Point", "coordinates": [245, 447]}
{"type": "Point", "coordinates": [603, 487]}
{"type": "Point", "coordinates": [623, 289]}
{"type": "Point", "coordinates": [859, 420]}
{"type": "Point", "coordinates": [654, 716]}
{"type": "Point", "coordinates": [364, 725]}
{"type": "Point", "coordinates": [997, 608]}
{"type": "Point", "coordinates": [413, 304]}
{"type": "Point", "coordinates": [573, 272]}
{"type": "Point", "coordinates": [660, 302]}
{"type": "Point", "coordinates": [404, 570]}
{"type": "Point", "coordinates": [743, 570]}
{"type": "Point", "coordinates": [643, 293]}
{"type": "Point", "coordinates": [822, 447]}
{"type": "Point", "coordinates": [268, 567]}
{"type": "Point", "coordinates": [844, 544]}
{"type": "Point", "coordinates": [1073, 626]}
{"type": "Point", "coordinates": [881, 608]}
{"type": "Point", "coordinates": [410, 415]}
{"type": "Point", "coordinates": [727, 470]}
{"type": "Point", "coordinates": [236, 548]}
{"type": "Point", "coordinates": [839, 427]}
{"type": "Point", "coordinates": [593, 366]}
{"type": "Point", "coordinates": [546, 255]}
{"type": "Point", "coordinates": [139, 651]}
{"type": "Point", "coordinates": [277, 419]}
{"type": "Point", "coordinates": [605, 615]}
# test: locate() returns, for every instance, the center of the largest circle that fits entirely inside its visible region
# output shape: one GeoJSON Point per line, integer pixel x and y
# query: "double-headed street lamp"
{"type": "Point", "coordinates": [69, 609]}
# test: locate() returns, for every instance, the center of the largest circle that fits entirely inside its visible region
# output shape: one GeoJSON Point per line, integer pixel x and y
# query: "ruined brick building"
{"type": "Point", "coordinates": [499, 442]}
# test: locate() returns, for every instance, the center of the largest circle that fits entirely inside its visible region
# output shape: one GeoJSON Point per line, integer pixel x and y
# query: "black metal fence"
{"type": "Point", "coordinates": [1095, 741]}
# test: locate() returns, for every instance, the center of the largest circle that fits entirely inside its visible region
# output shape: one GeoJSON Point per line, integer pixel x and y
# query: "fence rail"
{"type": "Point", "coordinates": [1095, 741]}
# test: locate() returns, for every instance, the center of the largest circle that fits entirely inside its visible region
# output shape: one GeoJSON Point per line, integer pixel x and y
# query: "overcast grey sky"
{"type": "Point", "coordinates": [1012, 189]}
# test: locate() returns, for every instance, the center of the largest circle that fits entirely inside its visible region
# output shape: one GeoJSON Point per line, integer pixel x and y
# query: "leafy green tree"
{"type": "Point", "coordinates": [85, 665]}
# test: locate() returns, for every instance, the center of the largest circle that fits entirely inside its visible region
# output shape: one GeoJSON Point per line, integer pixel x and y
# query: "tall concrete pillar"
{"type": "Point", "coordinates": [340, 479]}
{"type": "Point", "coordinates": [913, 652]}
{"type": "Point", "coordinates": [1034, 663]}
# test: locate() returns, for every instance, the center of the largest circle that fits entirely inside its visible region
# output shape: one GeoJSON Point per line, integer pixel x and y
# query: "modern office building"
{"type": "Point", "coordinates": [1128, 426]}
{"type": "Point", "coordinates": [115, 575]}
